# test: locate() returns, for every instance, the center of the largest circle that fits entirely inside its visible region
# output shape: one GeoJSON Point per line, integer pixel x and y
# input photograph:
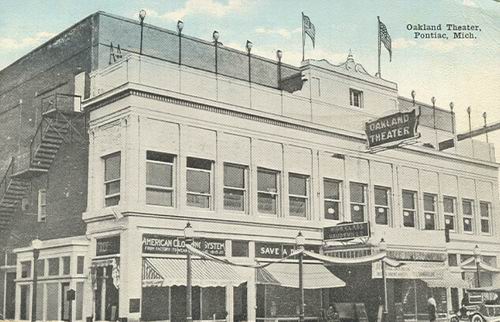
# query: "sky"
{"type": "Point", "coordinates": [465, 71]}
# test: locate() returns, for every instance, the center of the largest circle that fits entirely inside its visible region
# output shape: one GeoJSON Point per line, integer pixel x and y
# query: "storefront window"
{"type": "Point", "coordinates": [358, 202]}
{"type": "Point", "coordinates": [382, 209]}
{"type": "Point", "coordinates": [112, 165]}
{"type": "Point", "coordinates": [199, 183]}
{"type": "Point", "coordinates": [485, 217]}
{"type": "Point", "coordinates": [409, 208]}
{"type": "Point", "coordinates": [449, 213]}
{"type": "Point", "coordinates": [159, 179]}
{"type": "Point", "coordinates": [235, 190]}
{"type": "Point", "coordinates": [298, 195]}
{"type": "Point", "coordinates": [415, 294]}
{"type": "Point", "coordinates": [283, 302]}
{"type": "Point", "coordinates": [468, 214]}
{"type": "Point", "coordinates": [267, 195]}
{"type": "Point", "coordinates": [332, 189]}
{"type": "Point", "coordinates": [106, 295]}
{"type": "Point", "coordinates": [430, 211]}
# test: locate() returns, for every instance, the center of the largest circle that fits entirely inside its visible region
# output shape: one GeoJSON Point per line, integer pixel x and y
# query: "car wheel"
{"type": "Point", "coordinates": [477, 318]}
{"type": "Point", "coordinates": [454, 319]}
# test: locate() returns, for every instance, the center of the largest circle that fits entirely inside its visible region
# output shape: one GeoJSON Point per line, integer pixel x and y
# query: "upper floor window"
{"type": "Point", "coordinates": [452, 260]}
{"type": "Point", "coordinates": [53, 266]}
{"type": "Point", "coordinates": [199, 183]}
{"type": "Point", "coordinates": [356, 97]}
{"type": "Point", "coordinates": [468, 214]}
{"type": "Point", "coordinates": [25, 269]}
{"type": "Point", "coordinates": [235, 187]}
{"type": "Point", "coordinates": [382, 205]}
{"type": "Point", "coordinates": [40, 267]}
{"type": "Point", "coordinates": [267, 191]}
{"type": "Point", "coordinates": [239, 248]}
{"type": "Point", "coordinates": [409, 208]}
{"type": "Point", "coordinates": [159, 179]}
{"type": "Point", "coordinates": [112, 165]}
{"type": "Point", "coordinates": [80, 261]}
{"type": "Point", "coordinates": [358, 202]}
{"type": "Point", "coordinates": [66, 265]}
{"type": "Point", "coordinates": [485, 208]}
{"type": "Point", "coordinates": [430, 211]}
{"type": "Point", "coordinates": [298, 195]}
{"type": "Point", "coordinates": [42, 205]}
{"type": "Point", "coordinates": [332, 190]}
{"type": "Point", "coordinates": [449, 209]}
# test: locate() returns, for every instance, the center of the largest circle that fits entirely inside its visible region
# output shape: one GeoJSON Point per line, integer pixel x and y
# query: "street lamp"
{"type": "Point", "coordinates": [477, 260]}
{"type": "Point", "coordinates": [215, 37]}
{"type": "Point", "coordinates": [382, 246]}
{"type": "Point", "coordinates": [279, 55]}
{"type": "Point", "coordinates": [413, 94]}
{"type": "Point", "coordinates": [249, 46]}
{"type": "Point", "coordinates": [300, 241]}
{"type": "Point", "coordinates": [142, 15]}
{"type": "Point", "coordinates": [180, 26]}
{"type": "Point", "coordinates": [36, 244]}
{"type": "Point", "coordinates": [188, 239]}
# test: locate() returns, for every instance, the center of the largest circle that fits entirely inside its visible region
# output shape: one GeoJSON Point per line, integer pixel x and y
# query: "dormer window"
{"type": "Point", "coordinates": [356, 97]}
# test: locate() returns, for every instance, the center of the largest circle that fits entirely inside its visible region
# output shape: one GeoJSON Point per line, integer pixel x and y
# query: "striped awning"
{"type": "Point", "coordinates": [469, 265]}
{"type": "Point", "coordinates": [316, 276]}
{"type": "Point", "coordinates": [173, 272]}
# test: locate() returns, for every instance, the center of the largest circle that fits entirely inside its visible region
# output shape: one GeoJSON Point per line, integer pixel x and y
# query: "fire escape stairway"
{"type": "Point", "coordinates": [58, 124]}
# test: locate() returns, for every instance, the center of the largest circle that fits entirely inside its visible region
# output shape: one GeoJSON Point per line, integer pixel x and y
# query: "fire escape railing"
{"type": "Point", "coordinates": [4, 184]}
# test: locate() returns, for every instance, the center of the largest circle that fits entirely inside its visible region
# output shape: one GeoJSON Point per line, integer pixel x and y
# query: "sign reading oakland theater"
{"type": "Point", "coordinates": [392, 129]}
{"type": "Point", "coordinates": [161, 244]}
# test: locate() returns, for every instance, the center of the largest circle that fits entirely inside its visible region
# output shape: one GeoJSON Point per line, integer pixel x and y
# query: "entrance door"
{"type": "Point", "coordinates": [64, 302]}
{"type": "Point", "coordinates": [10, 295]}
{"type": "Point", "coordinates": [178, 304]}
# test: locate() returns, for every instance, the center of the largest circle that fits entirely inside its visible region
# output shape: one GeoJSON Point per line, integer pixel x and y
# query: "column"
{"type": "Point", "coordinates": [251, 289]}
{"type": "Point", "coordinates": [229, 303]}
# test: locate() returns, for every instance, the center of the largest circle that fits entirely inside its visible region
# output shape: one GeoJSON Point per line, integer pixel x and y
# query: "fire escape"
{"type": "Point", "coordinates": [61, 122]}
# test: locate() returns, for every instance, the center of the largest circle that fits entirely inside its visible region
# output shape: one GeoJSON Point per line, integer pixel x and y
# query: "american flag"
{"type": "Point", "coordinates": [385, 38]}
{"type": "Point", "coordinates": [309, 28]}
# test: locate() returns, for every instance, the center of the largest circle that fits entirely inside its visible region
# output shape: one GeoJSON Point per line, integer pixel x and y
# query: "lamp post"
{"type": "Point", "coordinates": [215, 36]}
{"type": "Point", "coordinates": [300, 241]}
{"type": "Point", "coordinates": [413, 94]}
{"type": "Point", "coordinates": [477, 259]}
{"type": "Point", "coordinates": [383, 247]}
{"type": "Point", "coordinates": [279, 55]}
{"type": "Point", "coordinates": [142, 15]}
{"type": "Point", "coordinates": [180, 26]}
{"type": "Point", "coordinates": [36, 244]}
{"type": "Point", "coordinates": [188, 239]}
{"type": "Point", "coordinates": [249, 46]}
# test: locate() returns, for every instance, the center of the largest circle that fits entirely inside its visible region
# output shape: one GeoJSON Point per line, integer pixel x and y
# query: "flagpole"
{"type": "Point", "coordinates": [303, 38]}
{"type": "Point", "coordinates": [379, 71]}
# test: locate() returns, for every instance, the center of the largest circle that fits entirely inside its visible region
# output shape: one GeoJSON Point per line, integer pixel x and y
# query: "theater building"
{"type": "Point", "coordinates": [250, 151]}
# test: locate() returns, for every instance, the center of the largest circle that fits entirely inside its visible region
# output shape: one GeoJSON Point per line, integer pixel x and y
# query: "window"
{"type": "Point", "coordinates": [53, 266]}
{"type": "Point", "coordinates": [25, 269]}
{"type": "Point", "coordinates": [332, 190]}
{"type": "Point", "coordinates": [267, 191]}
{"type": "Point", "coordinates": [199, 183]}
{"type": "Point", "coordinates": [409, 208]}
{"type": "Point", "coordinates": [80, 261]}
{"type": "Point", "coordinates": [235, 187]}
{"type": "Point", "coordinates": [42, 205]}
{"type": "Point", "coordinates": [485, 217]}
{"type": "Point", "coordinates": [112, 179]}
{"type": "Point", "coordinates": [66, 265]}
{"type": "Point", "coordinates": [239, 248]}
{"type": "Point", "coordinates": [298, 195]}
{"type": "Point", "coordinates": [358, 202]}
{"type": "Point", "coordinates": [452, 260]}
{"type": "Point", "coordinates": [430, 211]}
{"type": "Point", "coordinates": [382, 209]}
{"type": "Point", "coordinates": [159, 179]}
{"type": "Point", "coordinates": [356, 97]}
{"type": "Point", "coordinates": [449, 213]}
{"type": "Point", "coordinates": [40, 267]}
{"type": "Point", "coordinates": [468, 214]}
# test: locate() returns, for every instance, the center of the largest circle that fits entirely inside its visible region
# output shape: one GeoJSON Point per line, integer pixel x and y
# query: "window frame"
{"type": "Point", "coordinates": [387, 207]}
{"type": "Point", "coordinates": [433, 213]}
{"type": "Point", "coordinates": [114, 180]}
{"type": "Point", "coordinates": [449, 214]}
{"type": "Point", "coordinates": [352, 93]}
{"type": "Point", "coordinates": [42, 205]}
{"type": "Point", "coordinates": [337, 201]}
{"type": "Point", "coordinates": [275, 194]}
{"type": "Point", "coordinates": [244, 189]}
{"type": "Point", "coordinates": [170, 189]}
{"type": "Point", "coordinates": [305, 197]}
{"type": "Point", "coordinates": [210, 195]}
{"type": "Point", "coordinates": [468, 216]}
{"type": "Point", "coordinates": [363, 205]}
{"type": "Point", "coordinates": [413, 210]}
{"type": "Point", "coordinates": [488, 217]}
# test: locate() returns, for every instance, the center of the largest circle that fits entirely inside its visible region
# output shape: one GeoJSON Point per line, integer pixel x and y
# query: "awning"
{"type": "Point", "coordinates": [411, 270]}
{"type": "Point", "coordinates": [173, 272]}
{"type": "Point", "coordinates": [315, 276]}
{"type": "Point", "coordinates": [469, 265]}
{"type": "Point", "coordinates": [448, 280]}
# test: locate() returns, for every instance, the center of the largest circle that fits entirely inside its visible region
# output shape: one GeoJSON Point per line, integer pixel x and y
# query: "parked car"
{"type": "Point", "coordinates": [483, 305]}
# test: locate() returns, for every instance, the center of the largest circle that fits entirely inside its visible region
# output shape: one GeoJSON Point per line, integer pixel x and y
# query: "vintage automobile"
{"type": "Point", "coordinates": [483, 305]}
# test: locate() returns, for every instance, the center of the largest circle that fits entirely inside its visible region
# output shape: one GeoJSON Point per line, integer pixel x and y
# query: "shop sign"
{"type": "Point", "coordinates": [108, 246]}
{"type": "Point", "coordinates": [393, 129]}
{"type": "Point", "coordinates": [174, 245]}
{"type": "Point", "coordinates": [423, 270]}
{"type": "Point", "coordinates": [417, 256]}
{"type": "Point", "coordinates": [278, 250]}
{"type": "Point", "coordinates": [346, 231]}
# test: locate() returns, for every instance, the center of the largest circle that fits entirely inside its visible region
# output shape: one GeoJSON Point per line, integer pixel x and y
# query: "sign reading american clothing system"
{"type": "Point", "coordinates": [161, 244]}
{"type": "Point", "coordinates": [393, 129]}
